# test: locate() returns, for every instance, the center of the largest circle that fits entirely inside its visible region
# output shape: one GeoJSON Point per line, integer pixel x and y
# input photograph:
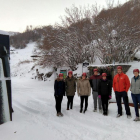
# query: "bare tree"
{"type": "Point", "coordinates": [70, 44]}
{"type": "Point", "coordinates": [117, 35]}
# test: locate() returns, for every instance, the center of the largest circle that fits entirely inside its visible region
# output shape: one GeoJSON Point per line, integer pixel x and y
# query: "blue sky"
{"type": "Point", "coordinates": [15, 15]}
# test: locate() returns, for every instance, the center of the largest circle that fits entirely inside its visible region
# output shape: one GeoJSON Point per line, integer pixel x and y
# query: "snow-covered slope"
{"type": "Point", "coordinates": [22, 62]}
{"type": "Point", "coordinates": [34, 116]}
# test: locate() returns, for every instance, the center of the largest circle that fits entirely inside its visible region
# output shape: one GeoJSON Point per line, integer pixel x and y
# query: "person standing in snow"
{"type": "Point", "coordinates": [37, 74]}
{"type": "Point", "coordinates": [83, 90]}
{"type": "Point", "coordinates": [94, 81]}
{"type": "Point", "coordinates": [135, 92]}
{"type": "Point", "coordinates": [70, 85]}
{"type": "Point", "coordinates": [59, 88]}
{"type": "Point", "coordinates": [104, 92]}
{"type": "Point", "coordinates": [121, 85]}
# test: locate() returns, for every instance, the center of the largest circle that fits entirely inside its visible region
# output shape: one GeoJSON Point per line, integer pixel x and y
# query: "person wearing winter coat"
{"type": "Point", "coordinates": [104, 92]}
{"type": "Point", "coordinates": [121, 85]}
{"type": "Point", "coordinates": [135, 92]}
{"type": "Point", "coordinates": [59, 88]}
{"type": "Point", "coordinates": [94, 81]}
{"type": "Point", "coordinates": [83, 90]}
{"type": "Point", "coordinates": [70, 86]}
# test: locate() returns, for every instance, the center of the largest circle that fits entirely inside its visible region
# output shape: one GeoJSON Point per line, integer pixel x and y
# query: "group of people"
{"type": "Point", "coordinates": [101, 91]}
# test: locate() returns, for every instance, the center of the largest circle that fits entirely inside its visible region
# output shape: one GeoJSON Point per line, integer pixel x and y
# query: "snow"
{"type": "Point", "coordinates": [137, 55]}
{"type": "Point", "coordinates": [22, 62]}
{"type": "Point", "coordinates": [4, 32]}
{"type": "Point", "coordinates": [34, 116]}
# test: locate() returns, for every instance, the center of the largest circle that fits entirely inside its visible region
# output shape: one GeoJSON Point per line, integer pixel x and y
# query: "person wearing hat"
{"type": "Point", "coordinates": [94, 80]}
{"type": "Point", "coordinates": [104, 92]}
{"type": "Point", "coordinates": [59, 88]}
{"type": "Point", "coordinates": [70, 85]}
{"type": "Point", "coordinates": [135, 92]}
{"type": "Point", "coordinates": [83, 90]}
{"type": "Point", "coordinates": [121, 85]}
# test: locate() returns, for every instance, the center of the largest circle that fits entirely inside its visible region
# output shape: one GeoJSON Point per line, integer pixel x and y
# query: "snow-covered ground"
{"type": "Point", "coordinates": [34, 116]}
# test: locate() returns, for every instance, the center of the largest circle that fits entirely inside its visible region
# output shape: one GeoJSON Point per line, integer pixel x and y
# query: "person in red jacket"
{"type": "Point", "coordinates": [121, 85]}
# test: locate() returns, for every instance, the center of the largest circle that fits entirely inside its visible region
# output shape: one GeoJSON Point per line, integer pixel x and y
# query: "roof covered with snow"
{"type": "Point", "coordinates": [4, 32]}
{"type": "Point", "coordinates": [104, 65]}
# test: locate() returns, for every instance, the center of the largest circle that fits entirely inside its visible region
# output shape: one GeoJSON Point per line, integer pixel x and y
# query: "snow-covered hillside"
{"type": "Point", "coordinates": [22, 63]}
{"type": "Point", "coordinates": [34, 116]}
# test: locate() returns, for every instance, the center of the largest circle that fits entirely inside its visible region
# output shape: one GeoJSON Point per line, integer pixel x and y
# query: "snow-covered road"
{"type": "Point", "coordinates": [34, 117]}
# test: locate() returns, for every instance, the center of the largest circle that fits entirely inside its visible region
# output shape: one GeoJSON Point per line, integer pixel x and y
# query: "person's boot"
{"type": "Point", "coordinates": [136, 119]}
{"type": "Point", "coordinates": [118, 115]}
{"type": "Point", "coordinates": [95, 110]}
{"type": "Point", "coordinates": [61, 114]}
{"type": "Point", "coordinates": [129, 116]}
{"type": "Point", "coordinates": [58, 114]}
{"type": "Point", "coordinates": [67, 108]}
{"type": "Point", "coordinates": [106, 113]}
{"type": "Point", "coordinates": [85, 110]}
{"type": "Point", "coordinates": [81, 110]}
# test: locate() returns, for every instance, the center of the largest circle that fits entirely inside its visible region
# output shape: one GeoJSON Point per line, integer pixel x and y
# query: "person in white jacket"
{"type": "Point", "coordinates": [135, 92]}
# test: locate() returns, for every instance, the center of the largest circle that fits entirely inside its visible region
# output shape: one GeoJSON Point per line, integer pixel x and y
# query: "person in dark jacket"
{"type": "Point", "coordinates": [59, 88]}
{"type": "Point", "coordinates": [94, 80]}
{"type": "Point", "coordinates": [70, 85]}
{"type": "Point", "coordinates": [104, 92]}
{"type": "Point", "coordinates": [135, 92]}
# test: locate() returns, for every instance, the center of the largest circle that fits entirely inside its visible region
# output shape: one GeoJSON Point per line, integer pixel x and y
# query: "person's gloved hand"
{"type": "Point", "coordinates": [99, 96]}
{"type": "Point", "coordinates": [110, 97]}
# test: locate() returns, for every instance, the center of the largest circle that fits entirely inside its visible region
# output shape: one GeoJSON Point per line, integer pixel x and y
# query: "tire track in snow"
{"type": "Point", "coordinates": [16, 103]}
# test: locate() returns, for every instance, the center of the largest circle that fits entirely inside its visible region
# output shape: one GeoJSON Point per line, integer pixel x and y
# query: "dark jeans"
{"type": "Point", "coordinates": [136, 100]}
{"type": "Point", "coordinates": [105, 99]}
{"type": "Point", "coordinates": [70, 102]}
{"type": "Point", "coordinates": [58, 100]}
{"type": "Point", "coordinates": [119, 96]}
{"type": "Point", "coordinates": [82, 101]}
